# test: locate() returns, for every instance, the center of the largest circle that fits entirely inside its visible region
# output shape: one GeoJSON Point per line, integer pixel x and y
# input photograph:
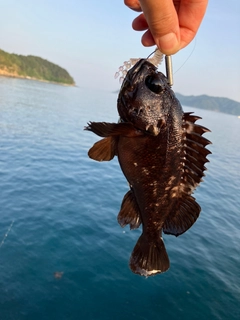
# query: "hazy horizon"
{"type": "Point", "coordinates": [91, 42]}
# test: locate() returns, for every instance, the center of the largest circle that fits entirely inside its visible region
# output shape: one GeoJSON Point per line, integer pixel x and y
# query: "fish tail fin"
{"type": "Point", "coordinates": [149, 258]}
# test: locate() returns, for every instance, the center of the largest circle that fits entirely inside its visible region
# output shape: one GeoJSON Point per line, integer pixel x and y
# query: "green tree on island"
{"type": "Point", "coordinates": [33, 67]}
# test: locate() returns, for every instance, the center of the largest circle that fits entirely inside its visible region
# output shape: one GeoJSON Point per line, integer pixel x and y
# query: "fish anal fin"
{"type": "Point", "coordinates": [186, 212]}
{"type": "Point", "coordinates": [103, 150]}
{"type": "Point", "coordinates": [149, 258]}
{"type": "Point", "coordinates": [129, 212]}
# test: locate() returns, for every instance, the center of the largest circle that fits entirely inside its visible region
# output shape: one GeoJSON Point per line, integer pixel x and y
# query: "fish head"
{"type": "Point", "coordinates": [145, 98]}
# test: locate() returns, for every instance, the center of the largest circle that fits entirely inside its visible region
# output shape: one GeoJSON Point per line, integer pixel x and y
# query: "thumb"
{"type": "Point", "coordinates": [162, 20]}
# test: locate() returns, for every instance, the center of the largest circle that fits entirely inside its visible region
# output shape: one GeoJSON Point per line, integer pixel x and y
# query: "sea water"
{"type": "Point", "coordinates": [58, 213]}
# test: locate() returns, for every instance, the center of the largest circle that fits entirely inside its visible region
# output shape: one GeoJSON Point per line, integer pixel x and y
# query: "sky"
{"type": "Point", "coordinates": [91, 39]}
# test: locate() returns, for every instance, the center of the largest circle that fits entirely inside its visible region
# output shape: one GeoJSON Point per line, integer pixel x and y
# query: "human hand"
{"type": "Point", "coordinates": [170, 24]}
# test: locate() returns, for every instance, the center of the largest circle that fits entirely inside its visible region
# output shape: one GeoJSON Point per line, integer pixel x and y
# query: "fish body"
{"type": "Point", "coordinates": [162, 154]}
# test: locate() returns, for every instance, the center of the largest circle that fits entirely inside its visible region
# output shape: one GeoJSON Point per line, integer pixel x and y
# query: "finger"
{"type": "Point", "coordinates": [162, 20]}
{"type": "Point", "coordinates": [147, 39]}
{"type": "Point", "coordinates": [140, 23]}
{"type": "Point", "coordinates": [133, 4]}
{"type": "Point", "coordinates": [190, 14]}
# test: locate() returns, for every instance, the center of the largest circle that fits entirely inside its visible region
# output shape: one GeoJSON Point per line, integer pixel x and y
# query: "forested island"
{"type": "Point", "coordinates": [32, 67]}
{"type": "Point", "coordinates": [204, 101]}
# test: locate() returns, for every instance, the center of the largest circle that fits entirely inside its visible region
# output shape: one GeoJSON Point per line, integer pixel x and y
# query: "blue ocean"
{"type": "Point", "coordinates": [63, 254]}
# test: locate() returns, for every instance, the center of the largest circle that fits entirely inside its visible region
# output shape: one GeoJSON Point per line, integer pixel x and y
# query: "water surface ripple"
{"type": "Point", "coordinates": [63, 208]}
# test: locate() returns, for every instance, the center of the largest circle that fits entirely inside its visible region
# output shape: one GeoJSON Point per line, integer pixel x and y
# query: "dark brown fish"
{"type": "Point", "coordinates": [162, 154]}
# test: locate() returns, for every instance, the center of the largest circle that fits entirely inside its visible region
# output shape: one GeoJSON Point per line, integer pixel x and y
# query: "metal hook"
{"type": "Point", "coordinates": [169, 71]}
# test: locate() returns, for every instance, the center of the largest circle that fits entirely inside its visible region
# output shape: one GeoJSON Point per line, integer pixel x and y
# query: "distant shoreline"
{"type": "Point", "coordinates": [13, 75]}
{"type": "Point", "coordinates": [217, 104]}
{"type": "Point", "coordinates": [33, 68]}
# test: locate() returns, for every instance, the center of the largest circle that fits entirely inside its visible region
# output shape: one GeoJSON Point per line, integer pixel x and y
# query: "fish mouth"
{"type": "Point", "coordinates": [154, 127]}
{"type": "Point", "coordinates": [153, 130]}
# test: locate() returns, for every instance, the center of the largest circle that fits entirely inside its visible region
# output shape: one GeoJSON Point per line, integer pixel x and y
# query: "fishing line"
{"type": "Point", "coordinates": [195, 43]}
{"type": "Point", "coordinates": [152, 53]}
{"type": "Point", "coordinates": [6, 234]}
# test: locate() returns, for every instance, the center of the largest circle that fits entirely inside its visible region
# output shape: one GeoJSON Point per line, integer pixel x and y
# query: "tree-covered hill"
{"type": "Point", "coordinates": [32, 67]}
{"type": "Point", "coordinates": [204, 101]}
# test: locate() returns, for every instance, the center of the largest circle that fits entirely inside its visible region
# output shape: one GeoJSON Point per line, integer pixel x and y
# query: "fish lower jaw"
{"type": "Point", "coordinates": [152, 129]}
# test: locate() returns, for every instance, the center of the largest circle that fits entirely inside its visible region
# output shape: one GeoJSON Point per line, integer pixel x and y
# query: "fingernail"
{"type": "Point", "coordinates": [168, 43]}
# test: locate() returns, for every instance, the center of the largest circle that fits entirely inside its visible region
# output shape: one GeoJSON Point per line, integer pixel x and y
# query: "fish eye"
{"type": "Point", "coordinates": [154, 84]}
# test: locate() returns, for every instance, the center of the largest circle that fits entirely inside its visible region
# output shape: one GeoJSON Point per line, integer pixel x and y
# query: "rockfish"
{"type": "Point", "coordinates": [162, 154]}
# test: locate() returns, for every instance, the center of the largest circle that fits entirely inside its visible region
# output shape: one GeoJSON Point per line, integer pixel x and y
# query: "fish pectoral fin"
{"type": "Point", "coordinates": [106, 129]}
{"type": "Point", "coordinates": [186, 211]}
{"type": "Point", "coordinates": [149, 258]}
{"type": "Point", "coordinates": [129, 212]}
{"type": "Point", "coordinates": [103, 150]}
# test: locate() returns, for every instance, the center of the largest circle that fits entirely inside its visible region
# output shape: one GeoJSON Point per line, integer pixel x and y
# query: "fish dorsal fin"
{"type": "Point", "coordinates": [103, 150]}
{"type": "Point", "coordinates": [129, 212]}
{"type": "Point", "coordinates": [194, 153]}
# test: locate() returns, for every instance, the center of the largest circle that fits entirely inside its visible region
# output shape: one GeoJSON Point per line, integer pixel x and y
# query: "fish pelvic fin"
{"type": "Point", "coordinates": [187, 211]}
{"type": "Point", "coordinates": [103, 150]}
{"type": "Point", "coordinates": [129, 212]}
{"type": "Point", "coordinates": [149, 257]}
